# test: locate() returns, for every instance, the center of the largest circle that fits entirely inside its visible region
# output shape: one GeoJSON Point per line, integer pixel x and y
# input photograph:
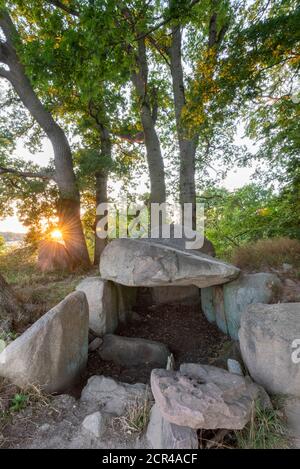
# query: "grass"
{"type": "Point", "coordinates": [13, 400]}
{"type": "Point", "coordinates": [268, 253]}
{"type": "Point", "coordinates": [136, 416]}
{"type": "Point", "coordinates": [45, 290]}
{"type": "Point", "coordinates": [266, 430]}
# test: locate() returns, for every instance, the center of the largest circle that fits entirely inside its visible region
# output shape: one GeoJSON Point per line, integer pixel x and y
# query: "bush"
{"type": "Point", "coordinates": [267, 253]}
{"type": "Point", "coordinates": [249, 214]}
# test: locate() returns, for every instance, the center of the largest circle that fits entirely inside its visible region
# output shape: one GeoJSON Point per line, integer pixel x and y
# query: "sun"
{"type": "Point", "coordinates": [56, 235]}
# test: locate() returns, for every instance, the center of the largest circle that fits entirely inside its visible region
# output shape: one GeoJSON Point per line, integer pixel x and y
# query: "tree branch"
{"type": "Point", "coordinates": [167, 20]}
{"type": "Point", "coordinates": [62, 6]}
{"type": "Point", "coordinates": [161, 50]}
{"type": "Point", "coordinates": [46, 176]}
{"type": "Point", "coordinates": [136, 138]}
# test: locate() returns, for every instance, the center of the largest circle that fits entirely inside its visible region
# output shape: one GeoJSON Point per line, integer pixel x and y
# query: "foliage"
{"type": "Point", "coordinates": [80, 60]}
{"type": "Point", "coordinates": [2, 244]}
{"type": "Point", "coordinates": [249, 214]}
{"type": "Point", "coordinates": [44, 290]}
{"type": "Point", "coordinates": [19, 402]}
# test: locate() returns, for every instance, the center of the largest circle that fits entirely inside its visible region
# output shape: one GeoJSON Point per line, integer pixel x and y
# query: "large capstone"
{"type": "Point", "coordinates": [148, 263]}
{"type": "Point", "coordinates": [53, 352]}
{"type": "Point", "coordinates": [202, 396]}
{"type": "Point", "coordinates": [270, 345]}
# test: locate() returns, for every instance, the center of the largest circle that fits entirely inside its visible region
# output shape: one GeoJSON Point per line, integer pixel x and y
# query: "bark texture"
{"type": "Point", "coordinates": [188, 143]}
{"type": "Point", "coordinates": [148, 111]}
{"type": "Point", "coordinates": [101, 178]}
{"type": "Point", "coordinates": [187, 146]}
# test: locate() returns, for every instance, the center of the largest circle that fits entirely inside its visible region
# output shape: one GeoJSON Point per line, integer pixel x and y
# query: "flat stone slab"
{"type": "Point", "coordinates": [131, 351]}
{"type": "Point", "coordinates": [202, 396]}
{"type": "Point", "coordinates": [145, 263]}
{"type": "Point", "coordinates": [113, 397]}
{"type": "Point", "coordinates": [53, 351]}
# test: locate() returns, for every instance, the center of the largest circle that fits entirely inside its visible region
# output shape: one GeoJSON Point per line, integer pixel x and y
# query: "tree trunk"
{"type": "Point", "coordinates": [187, 146]}
{"type": "Point", "coordinates": [101, 177]}
{"type": "Point", "coordinates": [148, 118]}
{"type": "Point", "coordinates": [101, 197]}
{"type": "Point", "coordinates": [69, 206]}
{"type": "Point", "coordinates": [11, 311]}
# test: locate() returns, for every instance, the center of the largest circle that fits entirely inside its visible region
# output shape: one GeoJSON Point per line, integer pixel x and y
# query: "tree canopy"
{"type": "Point", "coordinates": [157, 92]}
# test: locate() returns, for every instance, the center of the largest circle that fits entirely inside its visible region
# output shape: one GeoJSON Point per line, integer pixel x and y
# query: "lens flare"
{"type": "Point", "coordinates": [56, 235]}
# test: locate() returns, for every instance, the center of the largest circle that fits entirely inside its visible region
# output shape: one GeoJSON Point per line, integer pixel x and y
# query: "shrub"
{"type": "Point", "coordinates": [267, 253]}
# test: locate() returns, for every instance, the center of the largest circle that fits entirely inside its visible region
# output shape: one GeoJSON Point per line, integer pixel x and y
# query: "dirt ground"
{"type": "Point", "coordinates": [183, 328]}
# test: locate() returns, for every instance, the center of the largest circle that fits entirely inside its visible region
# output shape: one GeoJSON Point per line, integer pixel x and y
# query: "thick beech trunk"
{"type": "Point", "coordinates": [148, 119]}
{"type": "Point", "coordinates": [187, 146]}
{"type": "Point", "coordinates": [69, 210]}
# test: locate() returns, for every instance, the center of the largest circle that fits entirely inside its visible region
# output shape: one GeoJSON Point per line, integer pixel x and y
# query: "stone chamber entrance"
{"type": "Point", "coordinates": [176, 322]}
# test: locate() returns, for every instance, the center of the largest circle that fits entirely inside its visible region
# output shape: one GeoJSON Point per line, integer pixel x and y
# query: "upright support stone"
{"type": "Point", "coordinates": [162, 434]}
{"type": "Point", "coordinates": [225, 304]}
{"type": "Point", "coordinates": [207, 304]}
{"type": "Point", "coordinates": [109, 303]}
{"type": "Point", "coordinates": [102, 298]}
{"type": "Point", "coordinates": [53, 352]}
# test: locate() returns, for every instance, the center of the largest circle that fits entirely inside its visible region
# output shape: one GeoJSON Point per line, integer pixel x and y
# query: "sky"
{"type": "Point", "coordinates": [235, 179]}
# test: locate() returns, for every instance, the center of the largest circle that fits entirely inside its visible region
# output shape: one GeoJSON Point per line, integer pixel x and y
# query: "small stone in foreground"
{"type": "Point", "coordinates": [94, 424]}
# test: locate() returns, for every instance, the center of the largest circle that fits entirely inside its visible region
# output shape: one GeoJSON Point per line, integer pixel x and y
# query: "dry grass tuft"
{"type": "Point", "coordinates": [267, 253]}
{"type": "Point", "coordinates": [136, 417]}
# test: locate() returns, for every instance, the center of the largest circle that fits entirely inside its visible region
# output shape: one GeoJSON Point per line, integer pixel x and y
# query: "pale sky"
{"type": "Point", "coordinates": [235, 179]}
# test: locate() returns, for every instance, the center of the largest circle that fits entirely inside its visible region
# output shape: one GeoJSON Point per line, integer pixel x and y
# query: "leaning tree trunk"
{"type": "Point", "coordinates": [148, 119]}
{"type": "Point", "coordinates": [11, 310]}
{"type": "Point", "coordinates": [69, 206]}
{"type": "Point", "coordinates": [187, 146]}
